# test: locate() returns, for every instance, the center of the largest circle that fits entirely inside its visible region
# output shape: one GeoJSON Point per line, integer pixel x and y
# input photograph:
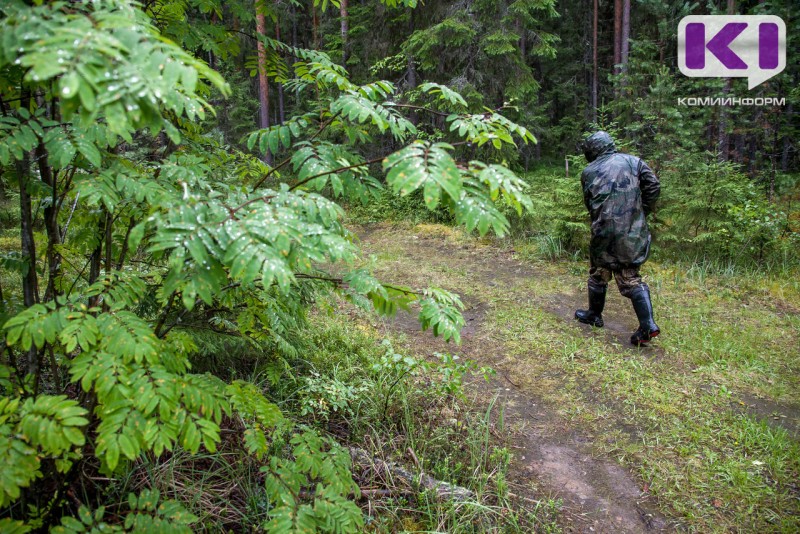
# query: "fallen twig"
{"type": "Point", "coordinates": [444, 490]}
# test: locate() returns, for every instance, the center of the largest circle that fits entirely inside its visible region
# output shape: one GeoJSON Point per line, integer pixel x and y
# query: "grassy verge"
{"type": "Point", "coordinates": [351, 384]}
{"type": "Point", "coordinates": [707, 418]}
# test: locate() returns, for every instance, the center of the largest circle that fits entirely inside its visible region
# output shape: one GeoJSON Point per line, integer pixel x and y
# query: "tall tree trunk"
{"type": "Point", "coordinates": [345, 29]}
{"type": "Point", "coordinates": [594, 63]}
{"type": "Point", "coordinates": [738, 147]}
{"type": "Point", "coordinates": [314, 26]}
{"type": "Point", "coordinates": [281, 111]}
{"type": "Point", "coordinates": [97, 254]}
{"type": "Point", "coordinates": [587, 60]}
{"type": "Point", "coordinates": [263, 82]}
{"type": "Point", "coordinates": [50, 222]}
{"type": "Point", "coordinates": [211, 58]}
{"type": "Point", "coordinates": [30, 281]}
{"type": "Point", "coordinates": [412, 70]}
{"type": "Point", "coordinates": [617, 34]}
{"type": "Point", "coordinates": [295, 43]}
{"type": "Point", "coordinates": [752, 153]}
{"type": "Point", "coordinates": [787, 143]}
{"type": "Point", "coordinates": [624, 44]}
{"type": "Point", "coordinates": [294, 32]}
{"type": "Point", "coordinates": [723, 139]}
{"type": "Point", "coordinates": [773, 161]}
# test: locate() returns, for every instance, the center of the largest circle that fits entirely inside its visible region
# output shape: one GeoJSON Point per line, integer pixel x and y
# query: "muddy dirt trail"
{"type": "Point", "coordinates": [552, 459]}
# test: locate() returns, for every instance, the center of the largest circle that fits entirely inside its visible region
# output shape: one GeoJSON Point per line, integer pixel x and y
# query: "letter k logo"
{"type": "Point", "coordinates": [719, 45]}
{"type": "Point", "coordinates": [740, 46]}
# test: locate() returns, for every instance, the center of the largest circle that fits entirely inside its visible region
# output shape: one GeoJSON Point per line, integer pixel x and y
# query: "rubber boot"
{"type": "Point", "coordinates": [594, 315]}
{"type": "Point", "coordinates": [648, 329]}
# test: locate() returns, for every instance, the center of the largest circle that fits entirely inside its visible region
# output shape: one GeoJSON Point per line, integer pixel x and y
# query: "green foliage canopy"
{"type": "Point", "coordinates": [176, 233]}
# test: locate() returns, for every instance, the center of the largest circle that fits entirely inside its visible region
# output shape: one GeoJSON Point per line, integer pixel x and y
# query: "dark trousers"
{"type": "Point", "coordinates": [627, 279]}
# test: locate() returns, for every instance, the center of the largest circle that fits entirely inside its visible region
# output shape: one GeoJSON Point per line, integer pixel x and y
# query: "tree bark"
{"type": "Point", "coordinates": [95, 260]}
{"type": "Point", "coordinates": [345, 29]}
{"type": "Point", "coordinates": [263, 82]}
{"type": "Point", "coordinates": [295, 43]}
{"type": "Point", "coordinates": [594, 63]}
{"type": "Point", "coordinates": [30, 281]}
{"type": "Point", "coordinates": [50, 223]}
{"type": "Point", "coordinates": [211, 58]}
{"type": "Point", "coordinates": [587, 60]}
{"type": "Point", "coordinates": [723, 139]}
{"type": "Point", "coordinates": [617, 34]}
{"type": "Point", "coordinates": [315, 26]}
{"type": "Point", "coordinates": [624, 45]}
{"type": "Point", "coordinates": [294, 32]}
{"type": "Point", "coordinates": [412, 70]}
{"type": "Point", "coordinates": [281, 108]}
{"type": "Point", "coordinates": [787, 143]}
{"type": "Point", "coordinates": [773, 161]}
{"type": "Point", "coordinates": [738, 147]}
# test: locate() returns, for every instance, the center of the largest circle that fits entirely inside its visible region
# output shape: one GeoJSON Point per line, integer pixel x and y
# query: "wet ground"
{"type": "Point", "coordinates": [552, 460]}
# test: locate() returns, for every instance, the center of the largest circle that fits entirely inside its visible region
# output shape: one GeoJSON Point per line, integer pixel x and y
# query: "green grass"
{"type": "Point", "coordinates": [675, 415]}
{"type": "Point", "coordinates": [697, 454]}
{"type": "Point", "coordinates": [348, 384]}
{"type": "Point", "coordinates": [398, 408]}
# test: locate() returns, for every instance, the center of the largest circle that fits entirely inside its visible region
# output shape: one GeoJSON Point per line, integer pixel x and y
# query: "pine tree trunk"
{"type": "Point", "coordinates": [263, 83]}
{"type": "Point", "coordinates": [617, 34]}
{"type": "Point", "coordinates": [412, 70]}
{"type": "Point", "coordinates": [752, 153]}
{"type": "Point", "coordinates": [723, 139]}
{"type": "Point", "coordinates": [787, 143]}
{"type": "Point", "coordinates": [211, 58]}
{"type": "Point", "coordinates": [314, 26]}
{"type": "Point", "coordinates": [774, 162]}
{"type": "Point", "coordinates": [281, 111]}
{"type": "Point", "coordinates": [624, 45]}
{"type": "Point", "coordinates": [294, 32]}
{"type": "Point", "coordinates": [295, 46]}
{"type": "Point", "coordinates": [594, 63]}
{"type": "Point", "coordinates": [739, 148]}
{"type": "Point", "coordinates": [523, 42]}
{"type": "Point", "coordinates": [587, 60]}
{"type": "Point", "coordinates": [345, 29]}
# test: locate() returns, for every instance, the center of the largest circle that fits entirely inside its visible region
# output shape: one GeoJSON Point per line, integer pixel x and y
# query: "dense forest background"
{"type": "Point", "coordinates": [563, 71]}
{"type": "Point", "coordinates": [186, 311]}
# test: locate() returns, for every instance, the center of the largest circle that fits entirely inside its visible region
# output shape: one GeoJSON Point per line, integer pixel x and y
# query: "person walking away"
{"type": "Point", "coordinates": [619, 191]}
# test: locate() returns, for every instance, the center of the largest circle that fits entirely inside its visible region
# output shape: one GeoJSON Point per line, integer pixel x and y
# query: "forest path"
{"type": "Point", "coordinates": [555, 455]}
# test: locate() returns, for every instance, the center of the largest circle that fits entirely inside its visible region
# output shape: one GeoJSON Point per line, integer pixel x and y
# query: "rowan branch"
{"type": "Point", "coordinates": [336, 171]}
{"type": "Point", "coordinates": [419, 108]}
{"type": "Point", "coordinates": [287, 160]}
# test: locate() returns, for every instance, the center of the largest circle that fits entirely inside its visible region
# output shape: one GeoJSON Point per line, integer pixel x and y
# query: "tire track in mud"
{"type": "Point", "coordinates": [552, 459]}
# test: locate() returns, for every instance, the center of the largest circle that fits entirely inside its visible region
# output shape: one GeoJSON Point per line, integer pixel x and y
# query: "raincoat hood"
{"type": "Point", "coordinates": [597, 144]}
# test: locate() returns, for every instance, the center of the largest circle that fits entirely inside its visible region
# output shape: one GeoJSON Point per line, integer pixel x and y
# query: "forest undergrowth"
{"type": "Point", "coordinates": [706, 421]}
{"type": "Point", "coordinates": [303, 267]}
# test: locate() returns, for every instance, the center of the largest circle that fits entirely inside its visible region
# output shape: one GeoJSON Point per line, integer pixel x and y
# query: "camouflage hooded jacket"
{"type": "Point", "coordinates": [619, 190]}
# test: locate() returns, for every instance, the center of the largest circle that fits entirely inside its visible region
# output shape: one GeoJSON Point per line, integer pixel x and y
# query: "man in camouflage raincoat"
{"type": "Point", "coordinates": [619, 191]}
